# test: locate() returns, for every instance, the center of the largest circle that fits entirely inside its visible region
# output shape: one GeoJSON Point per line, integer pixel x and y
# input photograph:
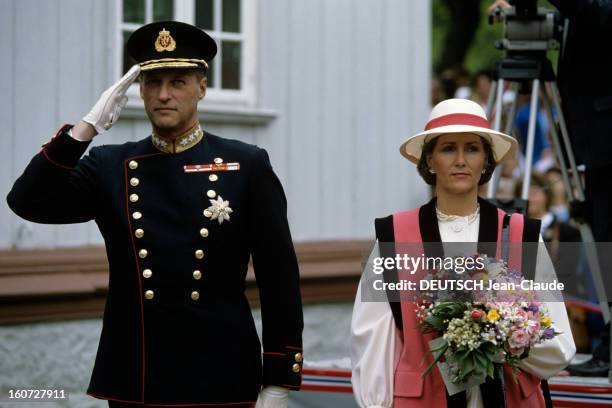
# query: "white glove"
{"type": "Point", "coordinates": [273, 397]}
{"type": "Point", "coordinates": [106, 111]}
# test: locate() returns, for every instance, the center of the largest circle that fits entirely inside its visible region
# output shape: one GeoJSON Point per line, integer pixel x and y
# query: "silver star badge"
{"type": "Point", "coordinates": [220, 210]}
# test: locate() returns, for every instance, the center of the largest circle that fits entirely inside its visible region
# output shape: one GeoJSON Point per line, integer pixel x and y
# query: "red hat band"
{"type": "Point", "coordinates": [458, 119]}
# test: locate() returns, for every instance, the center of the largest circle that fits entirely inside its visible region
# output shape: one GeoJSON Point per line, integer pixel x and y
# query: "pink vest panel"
{"type": "Point", "coordinates": [410, 389]}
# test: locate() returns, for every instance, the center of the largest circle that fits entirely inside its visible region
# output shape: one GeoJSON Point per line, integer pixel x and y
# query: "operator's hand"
{"type": "Point", "coordinates": [502, 4]}
{"type": "Point", "coordinates": [106, 111]}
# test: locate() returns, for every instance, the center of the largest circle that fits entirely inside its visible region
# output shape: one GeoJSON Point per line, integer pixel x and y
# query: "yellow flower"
{"type": "Point", "coordinates": [482, 276]}
{"type": "Point", "coordinates": [493, 316]}
{"type": "Point", "coordinates": [545, 321]}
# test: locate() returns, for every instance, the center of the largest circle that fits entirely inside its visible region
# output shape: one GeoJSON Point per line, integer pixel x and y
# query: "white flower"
{"type": "Point", "coordinates": [220, 210]}
{"type": "Point", "coordinates": [489, 336]}
{"type": "Point", "coordinates": [463, 333]}
{"type": "Point", "coordinates": [494, 269]}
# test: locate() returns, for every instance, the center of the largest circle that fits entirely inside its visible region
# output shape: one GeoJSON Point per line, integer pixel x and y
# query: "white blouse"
{"type": "Point", "coordinates": [376, 343]}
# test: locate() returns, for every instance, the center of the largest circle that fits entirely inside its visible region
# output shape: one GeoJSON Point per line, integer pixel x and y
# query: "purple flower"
{"type": "Point", "coordinates": [549, 333]}
{"type": "Point", "coordinates": [533, 307]}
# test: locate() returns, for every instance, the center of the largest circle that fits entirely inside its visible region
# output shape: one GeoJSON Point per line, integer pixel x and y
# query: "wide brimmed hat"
{"type": "Point", "coordinates": [171, 44]}
{"type": "Point", "coordinates": [458, 116]}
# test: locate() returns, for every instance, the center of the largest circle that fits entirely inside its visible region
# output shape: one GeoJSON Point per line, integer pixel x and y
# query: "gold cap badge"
{"type": "Point", "coordinates": [164, 41]}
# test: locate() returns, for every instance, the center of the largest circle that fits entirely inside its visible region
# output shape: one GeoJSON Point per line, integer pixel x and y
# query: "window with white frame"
{"type": "Point", "coordinates": [229, 22]}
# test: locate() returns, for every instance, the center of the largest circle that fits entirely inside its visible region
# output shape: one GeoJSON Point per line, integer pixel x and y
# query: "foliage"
{"type": "Point", "coordinates": [482, 53]}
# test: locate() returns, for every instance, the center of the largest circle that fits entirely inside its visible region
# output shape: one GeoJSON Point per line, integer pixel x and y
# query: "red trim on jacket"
{"type": "Point", "coordinates": [129, 220]}
{"type": "Point", "coordinates": [44, 147]}
{"type": "Point", "coordinates": [50, 160]}
{"type": "Point", "coordinates": [169, 405]}
{"type": "Point", "coordinates": [142, 330]}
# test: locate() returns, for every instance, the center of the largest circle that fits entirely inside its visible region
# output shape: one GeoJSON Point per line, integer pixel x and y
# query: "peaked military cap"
{"type": "Point", "coordinates": [171, 44]}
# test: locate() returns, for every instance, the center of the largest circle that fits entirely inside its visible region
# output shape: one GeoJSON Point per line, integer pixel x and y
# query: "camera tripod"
{"type": "Point", "coordinates": [537, 69]}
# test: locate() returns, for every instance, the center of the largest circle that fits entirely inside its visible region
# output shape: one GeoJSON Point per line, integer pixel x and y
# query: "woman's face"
{"type": "Point", "coordinates": [558, 188]}
{"type": "Point", "coordinates": [458, 160]}
{"type": "Point", "coordinates": [537, 202]}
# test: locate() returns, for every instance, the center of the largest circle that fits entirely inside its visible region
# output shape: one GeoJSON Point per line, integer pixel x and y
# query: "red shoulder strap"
{"type": "Point", "coordinates": [406, 226]}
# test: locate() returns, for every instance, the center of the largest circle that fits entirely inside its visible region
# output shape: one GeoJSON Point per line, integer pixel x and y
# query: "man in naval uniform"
{"type": "Point", "coordinates": [181, 212]}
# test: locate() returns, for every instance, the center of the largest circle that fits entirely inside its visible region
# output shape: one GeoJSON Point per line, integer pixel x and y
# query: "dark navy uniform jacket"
{"type": "Point", "coordinates": [177, 327]}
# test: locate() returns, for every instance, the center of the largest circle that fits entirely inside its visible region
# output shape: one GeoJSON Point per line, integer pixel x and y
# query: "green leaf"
{"type": "Point", "coordinates": [490, 369]}
{"type": "Point", "coordinates": [440, 352]}
{"type": "Point", "coordinates": [481, 361]}
{"type": "Point", "coordinates": [442, 346]}
{"type": "Point", "coordinates": [437, 356]}
{"type": "Point", "coordinates": [481, 358]}
{"type": "Point", "coordinates": [449, 310]}
{"type": "Point", "coordinates": [436, 321]}
{"type": "Point", "coordinates": [461, 354]}
{"type": "Point", "coordinates": [468, 366]}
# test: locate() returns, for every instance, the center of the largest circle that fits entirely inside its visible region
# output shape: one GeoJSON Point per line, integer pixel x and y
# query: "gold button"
{"type": "Point", "coordinates": [211, 193]}
{"type": "Point", "coordinates": [218, 160]}
{"type": "Point", "coordinates": [296, 368]}
{"type": "Point", "coordinates": [195, 295]}
{"type": "Point", "coordinates": [199, 254]}
{"type": "Point", "coordinates": [142, 253]}
{"type": "Point", "coordinates": [147, 273]}
{"type": "Point", "coordinates": [149, 294]}
{"type": "Point", "coordinates": [139, 233]}
{"type": "Point", "coordinates": [299, 358]}
{"type": "Point", "coordinates": [207, 213]}
{"type": "Point", "coordinates": [133, 164]}
{"type": "Point", "coordinates": [134, 181]}
{"type": "Point", "coordinates": [134, 197]}
{"type": "Point", "coordinates": [213, 177]}
{"type": "Point", "coordinates": [204, 232]}
{"type": "Point", "coordinates": [137, 215]}
{"type": "Point", "coordinates": [197, 275]}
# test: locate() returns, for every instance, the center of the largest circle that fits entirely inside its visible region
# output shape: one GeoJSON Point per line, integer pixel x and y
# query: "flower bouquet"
{"type": "Point", "coordinates": [496, 327]}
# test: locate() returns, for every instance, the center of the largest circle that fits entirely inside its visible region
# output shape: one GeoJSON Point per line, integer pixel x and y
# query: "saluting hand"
{"type": "Point", "coordinates": [106, 111]}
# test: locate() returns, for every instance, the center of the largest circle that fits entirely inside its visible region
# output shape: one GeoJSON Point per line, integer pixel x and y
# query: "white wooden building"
{"type": "Point", "coordinates": [329, 87]}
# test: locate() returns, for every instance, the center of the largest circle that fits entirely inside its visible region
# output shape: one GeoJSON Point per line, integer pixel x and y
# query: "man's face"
{"type": "Point", "coordinates": [171, 99]}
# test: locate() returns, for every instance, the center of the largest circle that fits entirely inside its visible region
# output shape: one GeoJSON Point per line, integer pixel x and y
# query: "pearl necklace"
{"type": "Point", "coordinates": [448, 218]}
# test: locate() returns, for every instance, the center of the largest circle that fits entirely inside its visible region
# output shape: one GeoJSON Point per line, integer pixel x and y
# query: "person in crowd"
{"type": "Point", "coordinates": [559, 205]}
{"type": "Point", "coordinates": [481, 87]}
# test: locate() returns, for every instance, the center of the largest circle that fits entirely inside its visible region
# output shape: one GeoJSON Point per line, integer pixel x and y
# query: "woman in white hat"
{"type": "Point", "coordinates": [465, 155]}
{"type": "Point", "coordinates": [455, 154]}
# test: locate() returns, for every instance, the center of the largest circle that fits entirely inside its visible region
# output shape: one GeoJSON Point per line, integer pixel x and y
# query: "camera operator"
{"type": "Point", "coordinates": [585, 83]}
